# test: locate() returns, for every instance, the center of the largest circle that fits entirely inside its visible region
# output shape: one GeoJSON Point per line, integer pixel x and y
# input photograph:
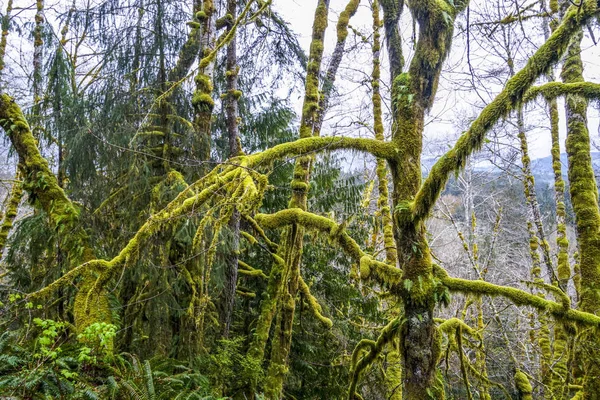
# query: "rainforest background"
{"type": "Point", "coordinates": [199, 203]}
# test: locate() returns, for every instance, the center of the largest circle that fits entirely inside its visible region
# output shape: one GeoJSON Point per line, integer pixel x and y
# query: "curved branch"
{"type": "Point", "coordinates": [315, 307]}
{"type": "Point", "coordinates": [512, 95]}
{"type": "Point", "coordinates": [369, 267]}
{"type": "Point", "coordinates": [42, 185]}
{"type": "Point", "coordinates": [318, 144]}
{"type": "Point", "coordinates": [358, 366]}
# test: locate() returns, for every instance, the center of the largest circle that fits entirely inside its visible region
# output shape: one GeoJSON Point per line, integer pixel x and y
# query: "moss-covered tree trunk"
{"type": "Point", "coordinates": [292, 242]}
{"type": "Point", "coordinates": [412, 95]}
{"type": "Point", "coordinates": [584, 196]}
{"type": "Point", "coordinates": [231, 110]}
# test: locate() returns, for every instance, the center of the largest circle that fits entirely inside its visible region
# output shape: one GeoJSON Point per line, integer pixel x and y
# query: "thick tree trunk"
{"type": "Point", "coordinates": [584, 195]}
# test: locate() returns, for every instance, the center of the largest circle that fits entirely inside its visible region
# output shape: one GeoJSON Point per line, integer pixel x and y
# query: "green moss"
{"type": "Point", "coordinates": [518, 297]}
{"type": "Point", "coordinates": [344, 20]}
{"type": "Point", "coordinates": [393, 374]}
{"type": "Point", "coordinates": [11, 211]}
{"type": "Point", "coordinates": [314, 305]}
{"type": "Point", "coordinates": [5, 27]}
{"type": "Point", "coordinates": [523, 385]}
{"type": "Point", "coordinates": [367, 351]}
{"type": "Point", "coordinates": [203, 101]}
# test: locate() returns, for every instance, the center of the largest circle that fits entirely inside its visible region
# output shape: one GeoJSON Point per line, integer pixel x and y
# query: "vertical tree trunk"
{"type": "Point", "coordinates": [5, 26]}
{"type": "Point", "coordinates": [584, 195]}
{"type": "Point", "coordinates": [231, 110]}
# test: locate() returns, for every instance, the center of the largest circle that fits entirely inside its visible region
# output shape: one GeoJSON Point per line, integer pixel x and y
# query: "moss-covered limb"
{"type": "Point", "coordinates": [247, 270]}
{"type": "Point", "coordinates": [523, 385]}
{"type": "Point", "coordinates": [38, 43]}
{"type": "Point", "coordinates": [553, 90]}
{"type": "Point", "coordinates": [311, 145]}
{"type": "Point", "coordinates": [512, 95]}
{"type": "Point", "coordinates": [361, 361]}
{"type": "Point", "coordinates": [258, 229]}
{"type": "Point", "coordinates": [450, 326]}
{"type": "Point", "coordinates": [392, 11]}
{"type": "Point", "coordinates": [393, 373]}
{"type": "Point", "coordinates": [561, 297]}
{"type": "Point", "coordinates": [480, 356]}
{"type": "Point", "coordinates": [563, 266]}
{"type": "Point", "coordinates": [235, 149]}
{"type": "Point", "coordinates": [369, 267]}
{"type": "Point", "coordinates": [282, 335]}
{"type": "Point", "coordinates": [232, 181]}
{"type": "Point", "coordinates": [202, 99]}
{"type": "Point", "coordinates": [190, 49]}
{"type": "Point", "coordinates": [383, 202]}
{"type": "Point", "coordinates": [314, 305]}
{"type": "Point", "coordinates": [537, 240]}
{"type": "Point", "coordinates": [5, 26]}
{"type": "Point", "coordinates": [436, 27]}
{"type": "Point", "coordinates": [461, 357]}
{"type": "Point", "coordinates": [520, 298]}
{"type": "Point", "coordinates": [268, 309]}
{"type": "Point", "coordinates": [10, 211]}
{"type": "Point", "coordinates": [69, 277]}
{"type": "Point", "coordinates": [41, 184]}
{"type": "Point", "coordinates": [560, 356]}
{"type": "Point", "coordinates": [334, 63]}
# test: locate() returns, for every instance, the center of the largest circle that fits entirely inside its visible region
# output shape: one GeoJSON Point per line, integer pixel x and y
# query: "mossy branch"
{"type": "Point", "coordinates": [241, 187]}
{"type": "Point", "coordinates": [451, 325]}
{"type": "Point", "coordinates": [320, 144]}
{"type": "Point", "coordinates": [10, 212]}
{"type": "Point", "coordinates": [375, 348]}
{"type": "Point", "coordinates": [246, 269]}
{"type": "Point", "coordinates": [369, 267]}
{"type": "Point", "coordinates": [552, 90]}
{"type": "Point", "coordinates": [314, 305]}
{"type": "Point", "coordinates": [42, 185]}
{"type": "Point", "coordinates": [513, 94]}
{"type": "Point", "coordinates": [518, 297]}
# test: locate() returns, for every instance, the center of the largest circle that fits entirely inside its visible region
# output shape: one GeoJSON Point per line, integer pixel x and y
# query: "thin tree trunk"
{"type": "Point", "coordinates": [231, 110]}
